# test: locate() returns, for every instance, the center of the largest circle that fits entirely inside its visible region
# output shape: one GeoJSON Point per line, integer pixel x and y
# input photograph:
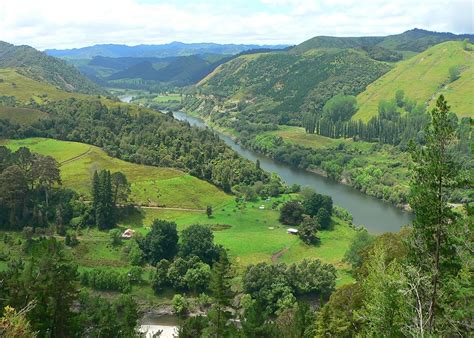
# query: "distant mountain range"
{"type": "Point", "coordinates": [163, 50]}
{"type": "Point", "coordinates": [150, 72]}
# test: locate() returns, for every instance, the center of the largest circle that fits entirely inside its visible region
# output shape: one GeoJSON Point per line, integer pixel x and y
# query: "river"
{"type": "Point", "coordinates": [376, 215]}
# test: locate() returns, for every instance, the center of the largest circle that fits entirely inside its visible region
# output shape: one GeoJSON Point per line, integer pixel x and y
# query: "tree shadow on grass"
{"type": "Point", "coordinates": [131, 215]}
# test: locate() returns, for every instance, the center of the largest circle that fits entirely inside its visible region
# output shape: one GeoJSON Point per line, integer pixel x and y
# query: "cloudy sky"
{"type": "Point", "coordinates": [76, 23]}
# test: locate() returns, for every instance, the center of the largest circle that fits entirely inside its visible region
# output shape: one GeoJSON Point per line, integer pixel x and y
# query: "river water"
{"type": "Point", "coordinates": [376, 215]}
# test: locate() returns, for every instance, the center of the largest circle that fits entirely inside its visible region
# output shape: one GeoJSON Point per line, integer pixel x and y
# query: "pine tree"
{"type": "Point", "coordinates": [220, 287]}
{"type": "Point", "coordinates": [433, 242]}
{"type": "Point", "coordinates": [95, 195]}
{"type": "Point", "coordinates": [108, 200]}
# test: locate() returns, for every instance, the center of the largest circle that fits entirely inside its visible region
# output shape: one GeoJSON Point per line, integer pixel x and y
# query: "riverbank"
{"type": "Point", "coordinates": [376, 215]}
{"type": "Point", "coordinates": [388, 181]}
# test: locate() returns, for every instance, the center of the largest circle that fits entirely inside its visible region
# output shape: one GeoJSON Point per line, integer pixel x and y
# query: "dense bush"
{"type": "Point", "coordinates": [182, 274]}
{"type": "Point", "coordinates": [291, 213]}
{"type": "Point", "coordinates": [106, 280]}
{"type": "Point", "coordinates": [277, 286]}
{"type": "Point", "coordinates": [198, 240]}
{"type": "Point", "coordinates": [161, 242]}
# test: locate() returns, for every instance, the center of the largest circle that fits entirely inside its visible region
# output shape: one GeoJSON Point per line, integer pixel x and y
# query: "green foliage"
{"type": "Point", "coordinates": [276, 286]}
{"type": "Point", "coordinates": [274, 88]}
{"type": "Point", "coordinates": [102, 317]}
{"type": "Point", "coordinates": [222, 295]}
{"type": "Point", "coordinates": [308, 230]}
{"type": "Point", "coordinates": [106, 280]}
{"type": "Point", "coordinates": [198, 240]}
{"type": "Point", "coordinates": [193, 327]}
{"type": "Point", "coordinates": [150, 138]}
{"type": "Point", "coordinates": [423, 77]}
{"type": "Point", "coordinates": [120, 187]}
{"type": "Point", "coordinates": [319, 206]}
{"type": "Point", "coordinates": [49, 278]}
{"type": "Point", "coordinates": [384, 306]}
{"type": "Point", "coordinates": [198, 276]}
{"type": "Point", "coordinates": [182, 274]}
{"type": "Point", "coordinates": [209, 211]}
{"type": "Point", "coordinates": [454, 73]}
{"type": "Point", "coordinates": [361, 241]}
{"type": "Point", "coordinates": [433, 247]}
{"type": "Point", "coordinates": [399, 98]}
{"type": "Point", "coordinates": [180, 305]}
{"type": "Point", "coordinates": [115, 236]}
{"type": "Point", "coordinates": [103, 205]}
{"type": "Point", "coordinates": [291, 213]}
{"type": "Point", "coordinates": [161, 242]}
{"type": "Point", "coordinates": [28, 190]}
{"type": "Point", "coordinates": [340, 108]}
{"type": "Point", "coordinates": [338, 317]}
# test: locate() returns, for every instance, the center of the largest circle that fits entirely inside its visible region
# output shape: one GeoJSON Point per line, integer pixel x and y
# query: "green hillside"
{"type": "Point", "coordinates": [423, 78]}
{"type": "Point", "coordinates": [150, 186]}
{"type": "Point", "coordinates": [41, 67]}
{"type": "Point", "coordinates": [414, 40]}
{"type": "Point", "coordinates": [12, 83]}
{"type": "Point", "coordinates": [278, 87]}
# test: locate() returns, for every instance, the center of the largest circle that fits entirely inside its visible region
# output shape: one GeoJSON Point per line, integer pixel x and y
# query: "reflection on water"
{"type": "Point", "coordinates": [376, 215]}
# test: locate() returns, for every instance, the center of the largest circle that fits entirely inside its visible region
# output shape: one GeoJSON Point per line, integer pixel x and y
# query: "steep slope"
{"type": "Point", "coordinates": [423, 78]}
{"type": "Point", "coordinates": [278, 87]}
{"type": "Point", "coordinates": [41, 67]}
{"type": "Point", "coordinates": [143, 70]}
{"type": "Point", "coordinates": [181, 71]}
{"type": "Point", "coordinates": [415, 40]}
{"type": "Point", "coordinates": [23, 88]}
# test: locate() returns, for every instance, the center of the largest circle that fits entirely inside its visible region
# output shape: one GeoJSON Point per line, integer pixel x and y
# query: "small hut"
{"type": "Point", "coordinates": [127, 234]}
{"type": "Point", "coordinates": [292, 231]}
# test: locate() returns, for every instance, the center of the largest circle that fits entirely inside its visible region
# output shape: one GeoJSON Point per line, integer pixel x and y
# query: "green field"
{"type": "Point", "coordinates": [298, 135]}
{"type": "Point", "coordinates": [150, 185]}
{"type": "Point", "coordinates": [168, 98]}
{"type": "Point", "coordinates": [251, 234]}
{"type": "Point", "coordinates": [423, 77]}
{"type": "Point", "coordinates": [254, 235]}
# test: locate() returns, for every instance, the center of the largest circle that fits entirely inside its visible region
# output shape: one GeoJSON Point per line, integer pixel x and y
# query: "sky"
{"type": "Point", "coordinates": [77, 23]}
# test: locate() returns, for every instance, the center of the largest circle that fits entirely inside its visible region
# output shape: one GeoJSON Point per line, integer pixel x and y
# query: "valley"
{"type": "Point", "coordinates": [238, 190]}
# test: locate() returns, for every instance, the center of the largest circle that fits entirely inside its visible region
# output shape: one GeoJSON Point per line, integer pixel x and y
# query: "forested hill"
{"type": "Point", "coordinates": [414, 40]}
{"type": "Point", "coordinates": [41, 67]}
{"type": "Point", "coordinates": [277, 87]}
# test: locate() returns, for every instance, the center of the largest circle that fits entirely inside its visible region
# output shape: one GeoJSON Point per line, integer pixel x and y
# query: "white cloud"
{"type": "Point", "coordinates": [72, 23]}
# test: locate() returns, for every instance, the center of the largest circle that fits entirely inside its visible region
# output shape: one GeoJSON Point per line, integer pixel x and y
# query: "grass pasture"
{"type": "Point", "coordinates": [297, 135]}
{"type": "Point", "coordinates": [23, 88]}
{"type": "Point", "coordinates": [423, 77]}
{"type": "Point", "coordinates": [149, 185]}
{"type": "Point", "coordinates": [252, 234]}
{"type": "Point", "coordinates": [167, 98]}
